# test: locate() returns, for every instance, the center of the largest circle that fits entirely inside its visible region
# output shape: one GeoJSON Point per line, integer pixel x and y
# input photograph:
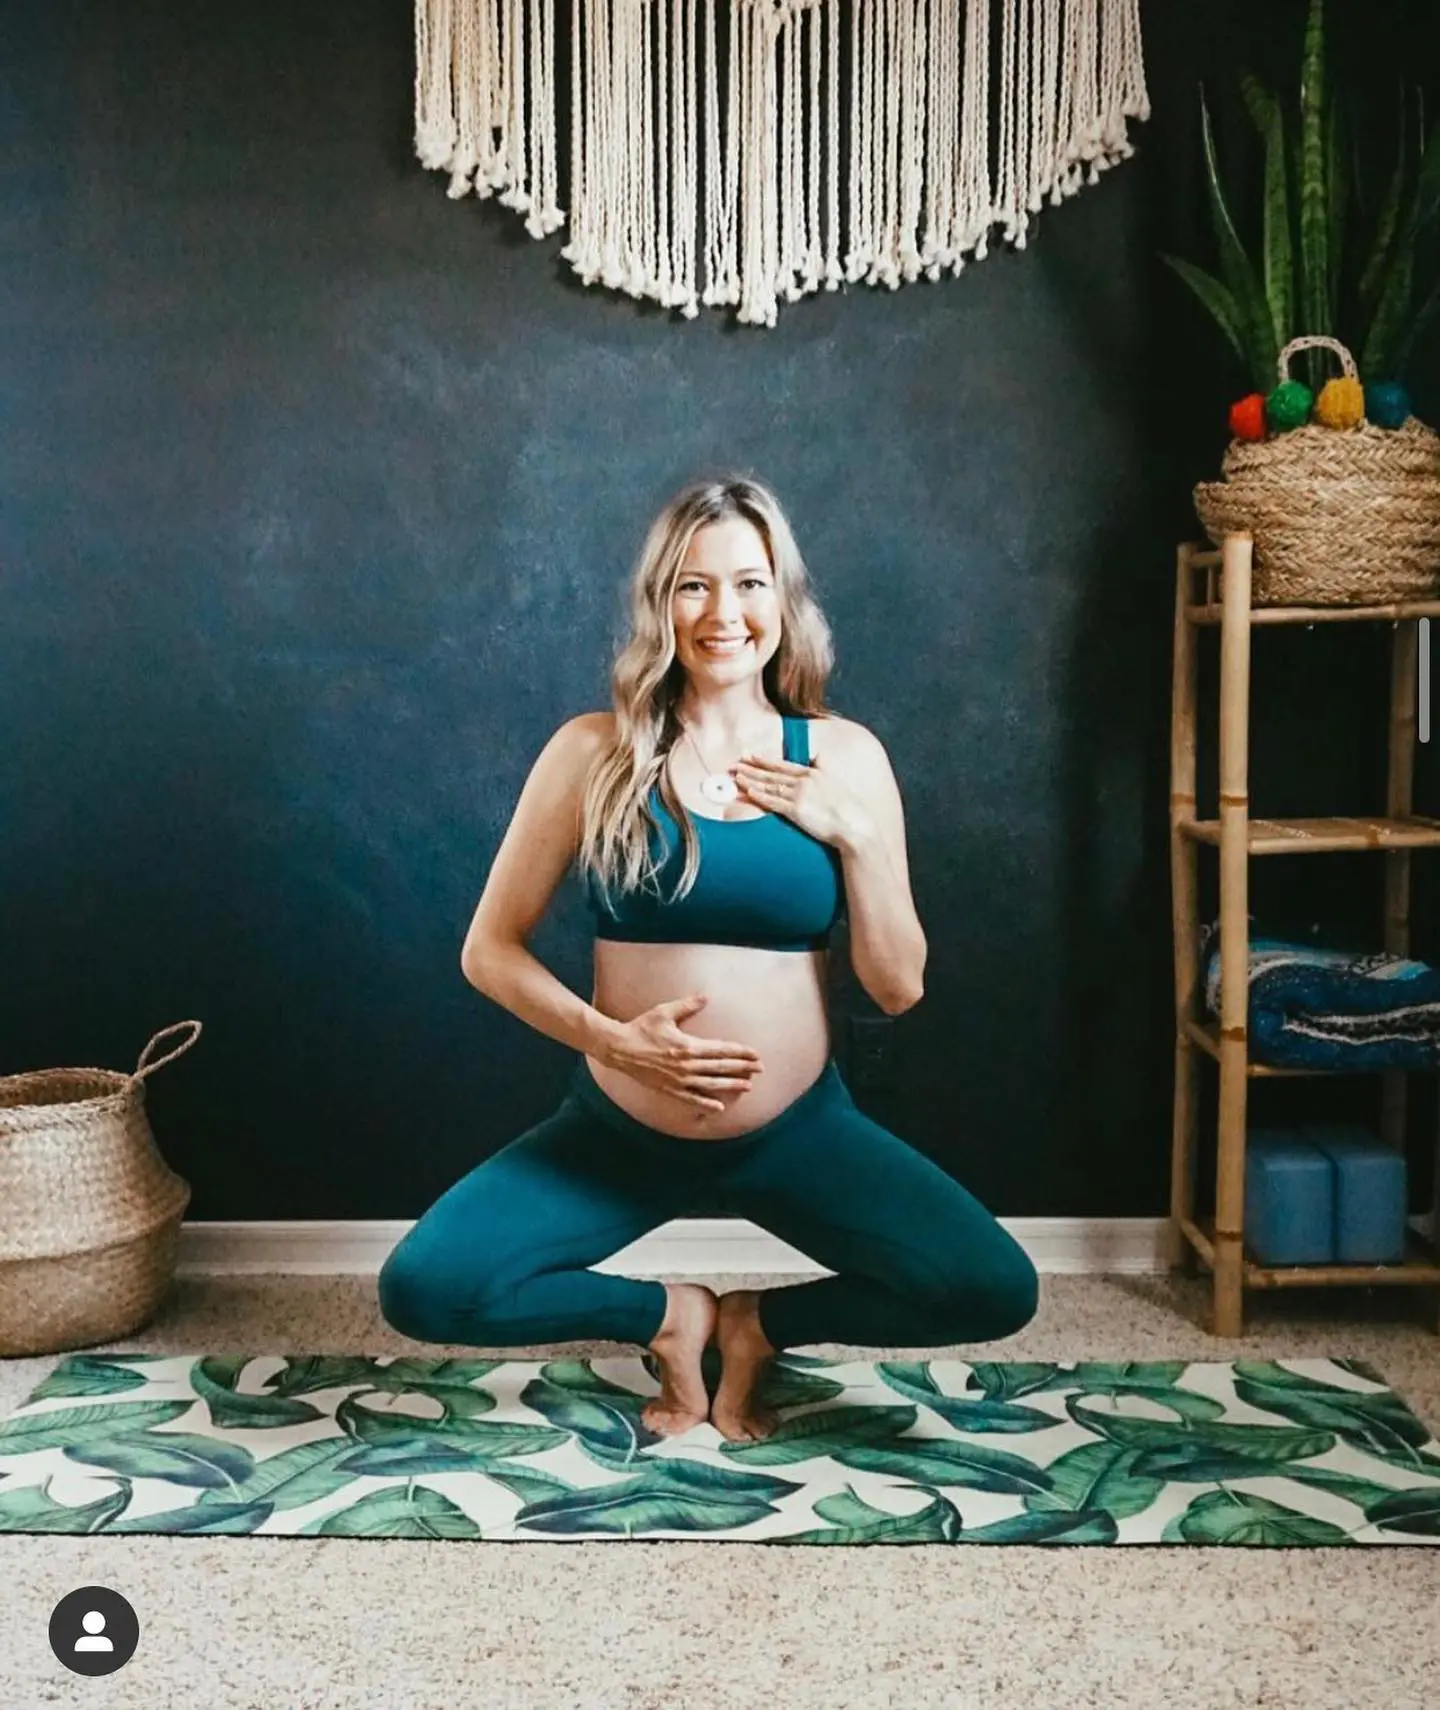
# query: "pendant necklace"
{"type": "Point", "coordinates": [714, 786]}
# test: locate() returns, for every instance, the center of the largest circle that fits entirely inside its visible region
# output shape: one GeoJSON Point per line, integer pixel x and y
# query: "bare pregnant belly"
{"type": "Point", "coordinates": [771, 1000]}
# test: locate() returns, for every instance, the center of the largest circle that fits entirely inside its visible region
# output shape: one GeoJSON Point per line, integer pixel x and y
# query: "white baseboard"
{"type": "Point", "coordinates": [690, 1247]}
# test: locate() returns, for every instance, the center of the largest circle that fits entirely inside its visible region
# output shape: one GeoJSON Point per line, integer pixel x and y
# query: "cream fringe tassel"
{"type": "Point", "coordinates": [724, 155]}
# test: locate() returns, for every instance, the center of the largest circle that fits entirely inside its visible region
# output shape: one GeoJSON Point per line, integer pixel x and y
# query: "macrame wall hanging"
{"type": "Point", "coordinates": [747, 152]}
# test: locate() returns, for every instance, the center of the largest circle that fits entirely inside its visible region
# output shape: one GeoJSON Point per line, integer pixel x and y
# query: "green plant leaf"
{"type": "Point", "coordinates": [1386, 226]}
{"type": "Point", "coordinates": [66, 1427]}
{"type": "Point", "coordinates": [31, 1508]}
{"type": "Point", "coordinates": [1427, 183]}
{"type": "Point", "coordinates": [370, 1428]}
{"type": "Point", "coordinates": [1391, 328]}
{"type": "Point", "coordinates": [670, 1495]}
{"type": "Point", "coordinates": [1058, 1528]}
{"type": "Point", "coordinates": [1278, 264]}
{"type": "Point", "coordinates": [1237, 1517]}
{"type": "Point", "coordinates": [292, 1477]}
{"type": "Point", "coordinates": [970, 1465]}
{"type": "Point", "coordinates": [1003, 1382]}
{"type": "Point", "coordinates": [1191, 1450]}
{"type": "Point", "coordinates": [1115, 1375]}
{"type": "Point", "coordinates": [848, 1508]}
{"type": "Point", "coordinates": [1413, 1511]}
{"type": "Point", "coordinates": [179, 1457]}
{"type": "Point", "coordinates": [782, 1387]}
{"type": "Point", "coordinates": [1257, 98]}
{"type": "Point", "coordinates": [604, 1422]}
{"type": "Point", "coordinates": [1365, 1493]}
{"type": "Point", "coordinates": [224, 1517]}
{"type": "Point", "coordinates": [1216, 297]}
{"type": "Point", "coordinates": [402, 1511]}
{"type": "Point", "coordinates": [528, 1483]}
{"type": "Point", "coordinates": [1419, 323]}
{"type": "Point", "coordinates": [1337, 190]}
{"type": "Point", "coordinates": [1257, 331]}
{"type": "Point", "coordinates": [1379, 1422]}
{"type": "Point", "coordinates": [855, 1521]}
{"type": "Point", "coordinates": [1392, 315]}
{"type": "Point", "coordinates": [970, 1413]}
{"type": "Point", "coordinates": [827, 1431]}
{"type": "Point", "coordinates": [1096, 1476]}
{"type": "Point", "coordinates": [1314, 200]}
{"type": "Point", "coordinates": [581, 1379]}
{"type": "Point", "coordinates": [1200, 1462]}
{"type": "Point", "coordinates": [408, 1457]}
{"type": "Point", "coordinates": [87, 1374]}
{"type": "Point", "coordinates": [305, 1373]}
{"type": "Point", "coordinates": [454, 1385]}
{"type": "Point", "coordinates": [1156, 1381]}
{"type": "Point", "coordinates": [214, 1379]}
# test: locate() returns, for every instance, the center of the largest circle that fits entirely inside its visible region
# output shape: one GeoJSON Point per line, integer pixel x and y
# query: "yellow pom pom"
{"type": "Point", "coordinates": [1341, 404]}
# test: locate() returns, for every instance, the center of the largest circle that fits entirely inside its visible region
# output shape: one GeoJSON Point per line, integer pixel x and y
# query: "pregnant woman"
{"type": "Point", "coordinates": [721, 820]}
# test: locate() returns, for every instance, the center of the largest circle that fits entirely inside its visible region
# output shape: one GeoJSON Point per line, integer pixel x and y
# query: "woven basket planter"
{"type": "Point", "coordinates": [1339, 516]}
{"type": "Point", "coordinates": [91, 1211]}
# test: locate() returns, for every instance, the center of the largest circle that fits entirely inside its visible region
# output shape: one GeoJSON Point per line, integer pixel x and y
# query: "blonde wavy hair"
{"type": "Point", "coordinates": [646, 681]}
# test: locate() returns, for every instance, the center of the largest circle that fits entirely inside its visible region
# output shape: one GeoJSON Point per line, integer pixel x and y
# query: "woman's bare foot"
{"type": "Point", "coordinates": [745, 1352]}
{"type": "Point", "coordinates": [680, 1342]}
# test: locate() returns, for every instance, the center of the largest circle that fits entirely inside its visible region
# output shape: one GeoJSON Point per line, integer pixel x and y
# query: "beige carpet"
{"type": "Point", "coordinates": [337, 1624]}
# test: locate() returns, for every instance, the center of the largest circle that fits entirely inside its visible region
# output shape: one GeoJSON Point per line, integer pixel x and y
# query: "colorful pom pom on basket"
{"type": "Point", "coordinates": [1341, 492]}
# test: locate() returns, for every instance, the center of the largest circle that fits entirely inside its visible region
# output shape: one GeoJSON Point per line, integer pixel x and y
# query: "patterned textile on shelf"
{"type": "Point", "coordinates": [1335, 1009]}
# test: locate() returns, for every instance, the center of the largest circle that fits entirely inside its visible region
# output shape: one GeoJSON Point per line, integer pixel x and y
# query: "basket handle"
{"type": "Point", "coordinates": [1311, 341]}
{"type": "Point", "coordinates": [145, 1067]}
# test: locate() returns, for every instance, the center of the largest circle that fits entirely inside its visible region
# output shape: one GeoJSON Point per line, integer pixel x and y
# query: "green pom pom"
{"type": "Point", "coordinates": [1288, 406]}
{"type": "Point", "coordinates": [1387, 403]}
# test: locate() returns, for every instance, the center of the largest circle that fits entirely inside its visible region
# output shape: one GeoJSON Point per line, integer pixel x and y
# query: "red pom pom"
{"type": "Point", "coordinates": [1247, 417]}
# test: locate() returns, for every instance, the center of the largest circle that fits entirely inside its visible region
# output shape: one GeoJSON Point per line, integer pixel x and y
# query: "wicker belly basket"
{"type": "Point", "coordinates": [90, 1213]}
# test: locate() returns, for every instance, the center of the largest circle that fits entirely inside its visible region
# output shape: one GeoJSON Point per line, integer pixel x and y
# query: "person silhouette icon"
{"type": "Point", "coordinates": [111, 1630]}
{"type": "Point", "coordinates": [93, 1622]}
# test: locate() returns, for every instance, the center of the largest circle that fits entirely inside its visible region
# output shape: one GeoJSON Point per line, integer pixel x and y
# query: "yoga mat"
{"type": "Point", "coordinates": [1288, 1453]}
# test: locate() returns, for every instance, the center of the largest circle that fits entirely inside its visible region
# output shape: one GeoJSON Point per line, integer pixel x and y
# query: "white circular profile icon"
{"type": "Point", "coordinates": [94, 1630]}
{"type": "Point", "coordinates": [94, 1624]}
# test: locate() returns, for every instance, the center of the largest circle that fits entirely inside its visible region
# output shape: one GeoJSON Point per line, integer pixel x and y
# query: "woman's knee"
{"type": "Point", "coordinates": [425, 1300]}
{"type": "Point", "coordinates": [996, 1297]}
{"type": "Point", "coordinates": [1018, 1294]}
{"type": "Point", "coordinates": [406, 1296]}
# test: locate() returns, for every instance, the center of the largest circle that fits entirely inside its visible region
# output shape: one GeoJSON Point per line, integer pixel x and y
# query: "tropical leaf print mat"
{"type": "Point", "coordinates": [1301, 1452]}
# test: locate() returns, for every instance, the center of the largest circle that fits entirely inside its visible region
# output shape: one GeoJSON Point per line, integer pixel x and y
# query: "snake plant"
{"type": "Point", "coordinates": [1378, 295]}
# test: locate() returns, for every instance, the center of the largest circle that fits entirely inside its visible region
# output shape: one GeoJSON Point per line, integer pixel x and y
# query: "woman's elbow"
{"type": "Point", "coordinates": [898, 1003]}
{"type": "Point", "coordinates": [477, 963]}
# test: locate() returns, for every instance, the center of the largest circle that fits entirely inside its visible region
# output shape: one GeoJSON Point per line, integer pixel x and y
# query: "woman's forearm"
{"type": "Point", "coordinates": [887, 942]}
{"type": "Point", "coordinates": [520, 982]}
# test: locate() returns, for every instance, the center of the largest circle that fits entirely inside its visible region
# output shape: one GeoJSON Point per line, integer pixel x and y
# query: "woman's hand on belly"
{"type": "Point", "coordinates": [654, 1050]}
{"type": "Point", "coordinates": [772, 1001]}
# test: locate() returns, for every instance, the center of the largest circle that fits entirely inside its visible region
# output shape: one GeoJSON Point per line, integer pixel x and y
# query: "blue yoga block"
{"type": "Point", "coordinates": [1370, 1193]}
{"type": "Point", "coordinates": [1289, 1198]}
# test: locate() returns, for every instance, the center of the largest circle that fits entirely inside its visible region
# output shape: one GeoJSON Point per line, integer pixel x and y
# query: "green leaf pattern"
{"type": "Point", "coordinates": [1285, 1454]}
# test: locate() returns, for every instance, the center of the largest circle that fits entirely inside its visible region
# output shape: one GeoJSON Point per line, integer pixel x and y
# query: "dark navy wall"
{"type": "Point", "coordinates": [318, 493]}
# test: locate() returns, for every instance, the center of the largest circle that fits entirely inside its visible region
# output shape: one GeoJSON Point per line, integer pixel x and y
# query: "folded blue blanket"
{"type": "Point", "coordinates": [1335, 1009]}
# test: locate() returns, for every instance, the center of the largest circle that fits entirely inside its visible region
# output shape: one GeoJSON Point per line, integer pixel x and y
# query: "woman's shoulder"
{"type": "Point", "coordinates": [832, 734]}
{"type": "Point", "coordinates": [589, 732]}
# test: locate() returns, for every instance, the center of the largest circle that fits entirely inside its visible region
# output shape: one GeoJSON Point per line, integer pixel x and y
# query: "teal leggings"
{"type": "Point", "coordinates": [500, 1259]}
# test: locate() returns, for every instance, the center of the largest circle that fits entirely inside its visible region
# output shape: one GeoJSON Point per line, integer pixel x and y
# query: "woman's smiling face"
{"type": "Point", "coordinates": [726, 591]}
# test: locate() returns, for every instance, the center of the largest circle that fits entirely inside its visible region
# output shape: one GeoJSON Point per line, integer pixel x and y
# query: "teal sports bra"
{"type": "Point", "coordinates": [762, 882]}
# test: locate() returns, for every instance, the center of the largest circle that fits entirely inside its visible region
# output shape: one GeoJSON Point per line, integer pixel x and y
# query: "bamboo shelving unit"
{"type": "Point", "coordinates": [1218, 1242]}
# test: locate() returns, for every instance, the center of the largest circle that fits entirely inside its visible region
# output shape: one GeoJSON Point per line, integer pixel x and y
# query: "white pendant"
{"type": "Point", "coordinates": [719, 787]}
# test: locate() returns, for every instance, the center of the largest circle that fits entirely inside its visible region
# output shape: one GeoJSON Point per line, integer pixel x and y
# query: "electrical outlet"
{"type": "Point", "coordinates": [872, 1053]}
